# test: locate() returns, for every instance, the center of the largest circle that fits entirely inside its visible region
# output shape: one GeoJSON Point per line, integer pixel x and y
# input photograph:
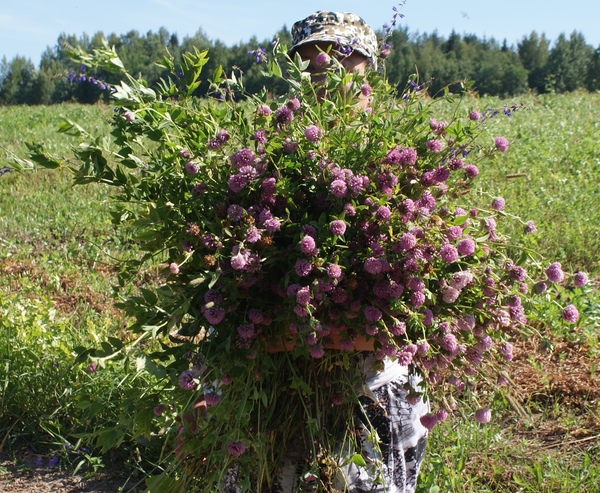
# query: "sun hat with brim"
{"type": "Point", "coordinates": [342, 28]}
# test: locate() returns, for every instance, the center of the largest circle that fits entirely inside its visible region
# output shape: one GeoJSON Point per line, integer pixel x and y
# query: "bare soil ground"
{"type": "Point", "coordinates": [20, 475]}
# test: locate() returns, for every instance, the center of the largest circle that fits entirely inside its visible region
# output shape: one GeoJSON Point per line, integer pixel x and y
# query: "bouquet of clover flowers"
{"type": "Point", "coordinates": [298, 221]}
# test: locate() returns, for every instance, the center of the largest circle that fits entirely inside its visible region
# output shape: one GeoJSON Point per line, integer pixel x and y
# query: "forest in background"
{"type": "Point", "coordinates": [535, 64]}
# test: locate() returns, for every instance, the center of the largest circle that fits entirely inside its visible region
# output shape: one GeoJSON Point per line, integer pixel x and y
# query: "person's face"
{"type": "Point", "coordinates": [353, 63]}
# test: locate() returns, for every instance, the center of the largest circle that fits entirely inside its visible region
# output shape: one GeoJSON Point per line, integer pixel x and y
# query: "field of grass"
{"type": "Point", "coordinates": [57, 251]}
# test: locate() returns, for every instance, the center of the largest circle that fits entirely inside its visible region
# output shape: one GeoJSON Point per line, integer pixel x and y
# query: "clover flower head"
{"type": "Point", "coordinates": [263, 110]}
{"type": "Point", "coordinates": [236, 212]}
{"type": "Point", "coordinates": [303, 267]}
{"type": "Point", "coordinates": [498, 203]}
{"type": "Point", "coordinates": [293, 104]}
{"type": "Point", "coordinates": [555, 273]}
{"type": "Point", "coordinates": [322, 59]}
{"type": "Point", "coordinates": [383, 213]}
{"type": "Point", "coordinates": [191, 168]}
{"type": "Point", "coordinates": [580, 279]}
{"type": "Point", "coordinates": [235, 448]}
{"type": "Point", "coordinates": [474, 115]}
{"type": "Point", "coordinates": [338, 188]}
{"type": "Point", "coordinates": [313, 133]}
{"type": "Point", "coordinates": [529, 227]}
{"type": "Point", "coordinates": [429, 420]}
{"type": "Point", "coordinates": [334, 271]}
{"type": "Point", "coordinates": [365, 90]}
{"type": "Point", "coordinates": [187, 380]}
{"type": "Point", "coordinates": [570, 314]}
{"type": "Point", "coordinates": [407, 241]}
{"type": "Point", "coordinates": [284, 115]}
{"type": "Point", "coordinates": [483, 415]}
{"type": "Point", "coordinates": [501, 144]}
{"type": "Point", "coordinates": [435, 145]}
{"type": "Point", "coordinates": [213, 315]}
{"type": "Point", "coordinates": [506, 350]}
{"type": "Point", "coordinates": [308, 245]}
{"type": "Point", "coordinates": [448, 253]}
{"type": "Point", "coordinates": [417, 299]}
{"type": "Point", "coordinates": [466, 247]}
{"type": "Point", "coordinates": [174, 268]}
{"type": "Point", "coordinates": [471, 171]}
{"type": "Point", "coordinates": [338, 227]}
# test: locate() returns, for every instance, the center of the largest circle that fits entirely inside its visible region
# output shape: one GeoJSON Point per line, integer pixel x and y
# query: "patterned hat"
{"type": "Point", "coordinates": [343, 28]}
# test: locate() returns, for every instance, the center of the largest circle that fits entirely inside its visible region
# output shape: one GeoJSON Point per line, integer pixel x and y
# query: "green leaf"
{"type": "Point", "coordinates": [83, 404]}
{"type": "Point", "coordinates": [358, 460]}
{"type": "Point", "coordinates": [150, 297]}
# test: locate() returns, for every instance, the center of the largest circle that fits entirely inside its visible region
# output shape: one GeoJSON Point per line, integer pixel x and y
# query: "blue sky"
{"type": "Point", "coordinates": [28, 27]}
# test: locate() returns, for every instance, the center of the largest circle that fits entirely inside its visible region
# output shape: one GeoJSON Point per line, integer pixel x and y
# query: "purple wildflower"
{"type": "Point", "coordinates": [308, 245]}
{"type": "Point", "coordinates": [263, 110]}
{"type": "Point", "coordinates": [529, 227]}
{"type": "Point", "coordinates": [316, 352]}
{"type": "Point", "coordinates": [570, 314]}
{"type": "Point", "coordinates": [92, 367]}
{"type": "Point", "coordinates": [450, 294]}
{"type": "Point", "coordinates": [434, 145]}
{"type": "Point", "coordinates": [429, 421]}
{"type": "Point", "coordinates": [253, 234]}
{"type": "Point", "coordinates": [187, 381]}
{"type": "Point", "coordinates": [448, 253]}
{"type": "Point", "coordinates": [471, 171]}
{"type": "Point", "coordinates": [338, 227]}
{"type": "Point", "coordinates": [466, 247]}
{"type": "Point", "coordinates": [191, 168]}
{"type": "Point", "coordinates": [238, 261]}
{"type": "Point", "coordinates": [236, 212]}
{"type": "Point", "coordinates": [406, 241]}
{"type": "Point", "coordinates": [501, 144]}
{"type": "Point", "coordinates": [483, 415]}
{"type": "Point", "coordinates": [174, 268]}
{"type": "Point", "coordinates": [365, 90]}
{"type": "Point", "coordinates": [322, 59]}
{"type": "Point", "coordinates": [417, 299]}
{"type": "Point", "coordinates": [506, 350]}
{"type": "Point", "coordinates": [303, 267]}
{"type": "Point", "coordinates": [338, 188]}
{"type": "Point", "coordinates": [293, 104]}
{"type": "Point", "coordinates": [272, 225]}
{"type": "Point", "coordinates": [212, 398]}
{"type": "Point", "coordinates": [350, 210]}
{"type": "Point", "coordinates": [474, 115]}
{"type": "Point", "coordinates": [213, 315]}
{"type": "Point", "coordinates": [260, 136]}
{"type": "Point", "coordinates": [498, 203]}
{"type": "Point", "coordinates": [334, 271]}
{"type": "Point", "coordinates": [235, 448]}
{"type": "Point", "coordinates": [580, 279]}
{"type": "Point", "coordinates": [373, 265]}
{"type": "Point", "coordinates": [246, 332]}
{"type": "Point", "coordinates": [555, 273]}
{"type": "Point", "coordinates": [313, 133]}
{"type": "Point", "coordinates": [383, 213]}
{"type": "Point", "coordinates": [284, 115]}
{"type": "Point", "coordinates": [373, 314]}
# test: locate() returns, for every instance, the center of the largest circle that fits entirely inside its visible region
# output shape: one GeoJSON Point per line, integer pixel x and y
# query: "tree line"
{"type": "Point", "coordinates": [534, 64]}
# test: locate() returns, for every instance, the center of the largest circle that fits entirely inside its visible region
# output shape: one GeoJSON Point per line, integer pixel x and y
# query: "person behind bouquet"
{"type": "Point", "coordinates": [384, 403]}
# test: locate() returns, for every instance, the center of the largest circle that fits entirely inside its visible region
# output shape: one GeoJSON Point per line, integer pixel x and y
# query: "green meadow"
{"type": "Point", "coordinates": [58, 251]}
